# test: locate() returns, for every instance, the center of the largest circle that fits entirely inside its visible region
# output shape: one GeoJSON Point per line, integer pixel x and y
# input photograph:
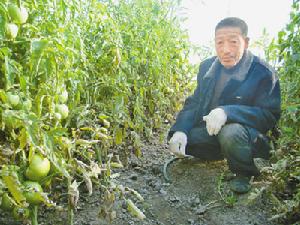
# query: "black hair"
{"type": "Point", "coordinates": [233, 22]}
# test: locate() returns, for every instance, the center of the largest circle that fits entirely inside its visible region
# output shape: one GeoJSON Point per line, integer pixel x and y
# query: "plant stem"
{"type": "Point", "coordinates": [70, 215]}
{"type": "Point", "coordinates": [98, 155]}
{"type": "Point", "coordinates": [34, 215]}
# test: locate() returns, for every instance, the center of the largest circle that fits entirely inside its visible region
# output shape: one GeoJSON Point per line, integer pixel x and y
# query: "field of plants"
{"type": "Point", "coordinates": [285, 172]}
{"type": "Point", "coordinates": [80, 78]}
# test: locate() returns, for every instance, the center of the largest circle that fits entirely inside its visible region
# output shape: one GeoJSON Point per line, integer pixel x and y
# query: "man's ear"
{"type": "Point", "coordinates": [246, 42]}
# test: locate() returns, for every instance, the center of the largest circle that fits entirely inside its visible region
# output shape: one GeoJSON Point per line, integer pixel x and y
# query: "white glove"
{"type": "Point", "coordinates": [177, 143]}
{"type": "Point", "coordinates": [215, 120]}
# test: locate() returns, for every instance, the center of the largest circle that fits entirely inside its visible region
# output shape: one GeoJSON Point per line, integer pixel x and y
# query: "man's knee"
{"type": "Point", "coordinates": [236, 146]}
{"type": "Point", "coordinates": [232, 135]}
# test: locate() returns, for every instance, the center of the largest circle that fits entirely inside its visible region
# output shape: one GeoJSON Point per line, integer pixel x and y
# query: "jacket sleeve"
{"type": "Point", "coordinates": [186, 117]}
{"type": "Point", "coordinates": [265, 111]}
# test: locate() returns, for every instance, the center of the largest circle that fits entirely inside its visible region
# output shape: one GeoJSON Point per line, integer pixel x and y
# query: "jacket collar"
{"type": "Point", "coordinates": [240, 71]}
{"type": "Point", "coordinates": [211, 72]}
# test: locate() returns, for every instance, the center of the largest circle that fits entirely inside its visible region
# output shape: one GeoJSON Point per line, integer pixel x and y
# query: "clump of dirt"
{"type": "Point", "coordinates": [197, 195]}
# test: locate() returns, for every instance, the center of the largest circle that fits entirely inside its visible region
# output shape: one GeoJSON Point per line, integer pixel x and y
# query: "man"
{"type": "Point", "coordinates": [237, 100]}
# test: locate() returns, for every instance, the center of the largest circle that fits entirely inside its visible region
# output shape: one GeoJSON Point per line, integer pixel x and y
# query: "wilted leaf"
{"type": "Point", "coordinates": [134, 192]}
{"type": "Point", "coordinates": [73, 193]}
{"type": "Point", "coordinates": [134, 210]}
{"type": "Point", "coordinates": [88, 183]}
{"type": "Point", "coordinates": [11, 181]}
{"type": "Point", "coordinates": [116, 165]}
{"type": "Point", "coordinates": [86, 142]}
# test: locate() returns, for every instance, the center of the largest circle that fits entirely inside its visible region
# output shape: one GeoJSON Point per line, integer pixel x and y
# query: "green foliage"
{"type": "Point", "coordinates": [80, 76]}
{"type": "Point", "coordinates": [286, 179]}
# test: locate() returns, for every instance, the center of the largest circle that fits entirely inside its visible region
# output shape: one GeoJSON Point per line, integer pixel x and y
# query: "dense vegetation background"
{"type": "Point", "coordinates": [80, 77]}
{"type": "Point", "coordinates": [286, 168]}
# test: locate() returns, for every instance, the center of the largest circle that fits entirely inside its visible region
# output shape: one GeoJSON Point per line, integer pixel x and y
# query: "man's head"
{"type": "Point", "coordinates": [231, 40]}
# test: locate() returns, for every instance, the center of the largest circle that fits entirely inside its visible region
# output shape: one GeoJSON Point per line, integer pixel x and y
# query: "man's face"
{"type": "Point", "coordinates": [230, 45]}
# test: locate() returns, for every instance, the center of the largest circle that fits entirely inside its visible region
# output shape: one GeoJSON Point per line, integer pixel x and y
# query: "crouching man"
{"type": "Point", "coordinates": [237, 100]}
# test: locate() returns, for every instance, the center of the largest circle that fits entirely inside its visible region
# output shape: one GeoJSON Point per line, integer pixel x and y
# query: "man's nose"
{"type": "Point", "coordinates": [226, 48]}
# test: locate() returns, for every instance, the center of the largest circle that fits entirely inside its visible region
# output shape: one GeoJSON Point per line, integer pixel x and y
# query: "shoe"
{"type": "Point", "coordinates": [240, 184]}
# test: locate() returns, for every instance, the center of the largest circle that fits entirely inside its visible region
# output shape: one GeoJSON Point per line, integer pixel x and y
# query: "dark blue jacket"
{"type": "Point", "coordinates": [253, 101]}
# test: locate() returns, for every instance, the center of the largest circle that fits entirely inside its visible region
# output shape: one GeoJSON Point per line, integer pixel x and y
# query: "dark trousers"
{"type": "Point", "coordinates": [233, 142]}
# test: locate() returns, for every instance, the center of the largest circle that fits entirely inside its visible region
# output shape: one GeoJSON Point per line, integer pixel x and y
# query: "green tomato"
{"type": "Point", "coordinates": [21, 213]}
{"type": "Point", "coordinates": [24, 15]}
{"type": "Point", "coordinates": [11, 30]}
{"type": "Point", "coordinates": [57, 116]}
{"type": "Point", "coordinates": [13, 99]}
{"type": "Point", "coordinates": [27, 105]}
{"type": "Point", "coordinates": [39, 168]}
{"type": "Point", "coordinates": [33, 192]}
{"type": "Point", "coordinates": [63, 110]}
{"type": "Point", "coordinates": [6, 203]}
{"type": "Point", "coordinates": [18, 15]}
{"type": "Point", "coordinates": [63, 97]}
{"type": "Point", "coordinates": [14, 12]}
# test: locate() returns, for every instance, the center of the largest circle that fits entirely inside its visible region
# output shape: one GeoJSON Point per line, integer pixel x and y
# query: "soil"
{"type": "Point", "coordinates": [198, 194]}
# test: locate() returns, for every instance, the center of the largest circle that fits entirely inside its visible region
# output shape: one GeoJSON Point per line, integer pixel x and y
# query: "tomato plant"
{"type": "Point", "coordinates": [78, 77]}
{"type": "Point", "coordinates": [285, 183]}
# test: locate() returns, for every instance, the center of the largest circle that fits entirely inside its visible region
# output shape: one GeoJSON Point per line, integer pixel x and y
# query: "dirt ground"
{"type": "Point", "coordinates": [197, 195]}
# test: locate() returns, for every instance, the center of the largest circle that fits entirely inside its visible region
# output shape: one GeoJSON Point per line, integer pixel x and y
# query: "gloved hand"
{"type": "Point", "coordinates": [215, 120]}
{"type": "Point", "coordinates": [177, 143]}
